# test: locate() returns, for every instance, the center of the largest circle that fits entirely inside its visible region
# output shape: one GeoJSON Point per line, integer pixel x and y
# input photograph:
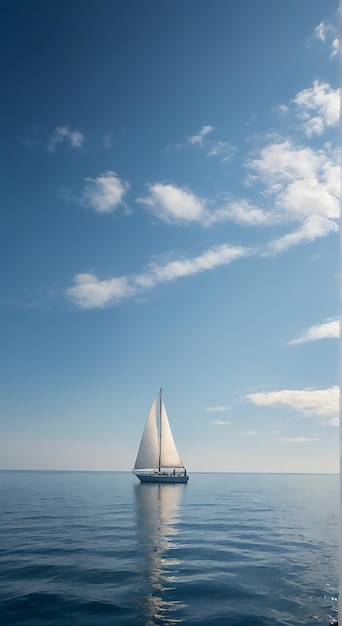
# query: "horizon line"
{"type": "Point", "coordinates": [4, 469]}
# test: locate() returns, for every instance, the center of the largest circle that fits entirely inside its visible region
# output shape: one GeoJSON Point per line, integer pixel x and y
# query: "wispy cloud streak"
{"type": "Point", "coordinates": [222, 149]}
{"type": "Point", "coordinates": [295, 439]}
{"type": "Point", "coordinates": [90, 292]}
{"type": "Point", "coordinates": [198, 139]}
{"type": "Point", "coordinates": [334, 48]}
{"type": "Point", "coordinates": [326, 330]}
{"type": "Point", "coordinates": [321, 403]}
{"type": "Point", "coordinates": [217, 409]}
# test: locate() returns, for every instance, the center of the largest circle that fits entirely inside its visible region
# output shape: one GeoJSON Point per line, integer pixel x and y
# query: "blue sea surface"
{"type": "Point", "coordinates": [99, 548]}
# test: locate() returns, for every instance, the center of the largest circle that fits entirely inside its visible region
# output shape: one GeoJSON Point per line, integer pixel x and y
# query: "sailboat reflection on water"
{"type": "Point", "coordinates": [158, 518]}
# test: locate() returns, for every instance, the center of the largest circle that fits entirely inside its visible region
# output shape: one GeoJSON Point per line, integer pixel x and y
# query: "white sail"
{"type": "Point", "coordinates": [169, 456]}
{"type": "Point", "coordinates": [148, 453]}
{"type": "Point", "coordinates": [157, 450]}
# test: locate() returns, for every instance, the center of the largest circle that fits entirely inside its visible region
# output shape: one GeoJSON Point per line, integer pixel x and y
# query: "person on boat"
{"type": "Point", "coordinates": [174, 472]}
{"type": "Point", "coordinates": [184, 471]}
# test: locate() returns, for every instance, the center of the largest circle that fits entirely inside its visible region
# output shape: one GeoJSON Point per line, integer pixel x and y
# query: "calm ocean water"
{"type": "Point", "coordinates": [99, 548]}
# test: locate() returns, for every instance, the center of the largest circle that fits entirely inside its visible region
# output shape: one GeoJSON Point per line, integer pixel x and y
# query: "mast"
{"type": "Point", "coordinates": [160, 412]}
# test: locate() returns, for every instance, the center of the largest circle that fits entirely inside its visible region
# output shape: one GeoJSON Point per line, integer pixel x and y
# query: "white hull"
{"type": "Point", "coordinates": [161, 478]}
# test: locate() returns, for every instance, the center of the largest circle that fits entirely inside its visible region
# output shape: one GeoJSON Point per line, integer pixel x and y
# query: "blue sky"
{"type": "Point", "coordinates": [170, 200]}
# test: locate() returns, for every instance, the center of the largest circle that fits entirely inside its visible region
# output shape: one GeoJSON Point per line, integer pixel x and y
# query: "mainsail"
{"type": "Point", "coordinates": [148, 453]}
{"type": "Point", "coordinates": [157, 447]}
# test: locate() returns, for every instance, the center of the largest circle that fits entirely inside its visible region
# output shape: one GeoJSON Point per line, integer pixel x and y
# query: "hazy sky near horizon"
{"type": "Point", "coordinates": [170, 206]}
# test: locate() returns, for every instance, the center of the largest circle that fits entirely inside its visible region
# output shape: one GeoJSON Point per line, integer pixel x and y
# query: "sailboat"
{"type": "Point", "coordinates": [158, 460]}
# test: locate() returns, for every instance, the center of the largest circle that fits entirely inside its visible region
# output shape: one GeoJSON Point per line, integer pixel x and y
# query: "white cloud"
{"type": "Point", "coordinates": [334, 48]}
{"type": "Point", "coordinates": [250, 433]}
{"type": "Point", "coordinates": [319, 107]}
{"type": "Point", "coordinates": [279, 164]}
{"type": "Point", "coordinates": [90, 292]}
{"type": "Point", "coordinates": [295, 439]}
{"type": "Point", "coordinates": [321, 31]}
{"type": "Point", "coordinates": [328, 329]}
{"type": "Point", "coordinates": [313, 228]}
{"type": "Point", "coordinates": [63, 133]}
{"type": "Point", "coordinates": [198, 139]}
{"type": "Point", "coordinates": [218, 409]}
{"type": "Point", "coordinates": [319, 403]}
{"type": "Point", "coordinates": [219, 423]}
{"type": "Point", "coordinates": [283, 109]}
{"type": "Point", "coordinates": [244, 212]}
{"type": "Point", "coordinates": [222, 149]}
{"type": "Point", "coordinates": [301, 185]}
{"type": "Point", "coordinates": [105, 192]}
{"type": "Point", "coordinates": [173, 204]}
